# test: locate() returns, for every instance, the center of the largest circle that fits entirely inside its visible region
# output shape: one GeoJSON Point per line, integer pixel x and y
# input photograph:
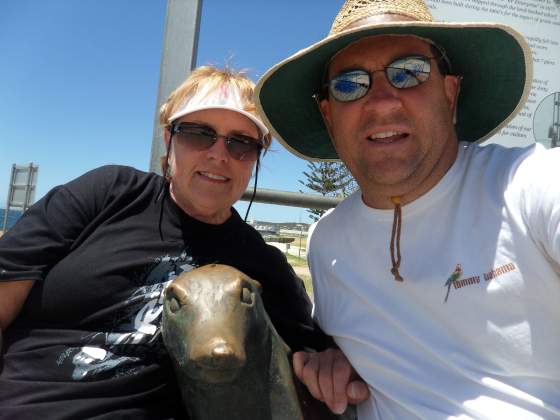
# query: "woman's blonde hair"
{"type": "Point", "coordinates": [211, 78]}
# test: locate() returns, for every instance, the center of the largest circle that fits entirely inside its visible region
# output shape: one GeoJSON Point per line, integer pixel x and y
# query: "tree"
{"type": "Point", "coordinates": [331, 179]}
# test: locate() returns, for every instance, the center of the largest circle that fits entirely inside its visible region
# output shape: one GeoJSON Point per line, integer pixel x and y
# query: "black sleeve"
{"type": "Point", "coordinates": [290, 309]}
{"type": "Point", "coordinates": [284, 296]}
{"type": "Point", "coordinates": [50, 229]}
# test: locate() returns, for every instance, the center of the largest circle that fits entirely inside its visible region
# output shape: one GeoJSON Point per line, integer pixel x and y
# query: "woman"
{"type": "Point", "coordinates": [82, 273]}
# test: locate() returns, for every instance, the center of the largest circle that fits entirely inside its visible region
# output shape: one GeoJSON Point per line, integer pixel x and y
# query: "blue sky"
{"type": "Point", "coordinates": [79, 79]}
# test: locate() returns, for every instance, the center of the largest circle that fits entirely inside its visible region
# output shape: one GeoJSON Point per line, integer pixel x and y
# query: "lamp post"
{"type": "Point", "coordinates": [300, 234]}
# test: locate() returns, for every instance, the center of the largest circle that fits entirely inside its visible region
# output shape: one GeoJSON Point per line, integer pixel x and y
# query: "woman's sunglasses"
{"type": "Point", "coordinates": [202, 137]}
{"type": "Point", "coordinates": [403, 73]}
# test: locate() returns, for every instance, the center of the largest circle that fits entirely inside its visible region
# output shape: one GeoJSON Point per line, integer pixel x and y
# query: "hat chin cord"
{"type": "Point", "coordinates": [396, 238]}
{"type": "Point", "coordinates": [254, 188]}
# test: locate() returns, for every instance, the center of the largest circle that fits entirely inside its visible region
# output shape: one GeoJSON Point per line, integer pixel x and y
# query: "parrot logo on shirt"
{"type": "Point", "coordinates": [456, 275]}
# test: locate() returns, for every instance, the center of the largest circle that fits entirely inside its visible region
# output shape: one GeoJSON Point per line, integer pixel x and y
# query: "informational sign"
{"type": "Point", "coordinates": [539, 22]}
{"type": "Point", "coordinates": [21, 192]}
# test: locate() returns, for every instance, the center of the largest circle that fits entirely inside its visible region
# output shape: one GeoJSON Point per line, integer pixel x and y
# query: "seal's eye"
{"type": "Point", "coordinates": [247, 296]}
{"type": "Point", "coordinates": [173, 304]}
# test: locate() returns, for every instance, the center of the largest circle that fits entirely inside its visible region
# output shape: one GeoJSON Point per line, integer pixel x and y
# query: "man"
{"type": "Point", "coordinates": [440, 278]}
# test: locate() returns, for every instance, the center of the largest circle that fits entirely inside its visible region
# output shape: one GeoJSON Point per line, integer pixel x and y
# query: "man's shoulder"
{"type": "Point", "coordinates": [498, 153]}
{"type": "Point", "coordinates": [341, 208]}
{"type": "Point", "coordinates": [539, 165]}
{"type": "Point", "coordinates": [531, 155]}
{"type": "Point", "coordinates": [333, 218]}
{"type": "Point", "coordinates": [494, 161]}
{"type": "Point", "coordinates": [511, 170]}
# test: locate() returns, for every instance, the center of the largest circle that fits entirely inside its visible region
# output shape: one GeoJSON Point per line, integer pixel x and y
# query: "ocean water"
{"type": "Point", "coordinates": [13, 215]}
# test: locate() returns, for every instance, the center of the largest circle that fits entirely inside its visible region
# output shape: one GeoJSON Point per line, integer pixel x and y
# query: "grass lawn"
{"type": "Point", "coordinates": [301, 242]}
{"type": "Point", "coordinates": [300, 266]}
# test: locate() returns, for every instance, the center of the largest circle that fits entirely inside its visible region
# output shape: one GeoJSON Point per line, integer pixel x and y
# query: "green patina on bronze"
{"type": "Point", "coordinates": [229, 360]}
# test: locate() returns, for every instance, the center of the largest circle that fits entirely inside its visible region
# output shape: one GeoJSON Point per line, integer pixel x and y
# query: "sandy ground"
{"type": "Point", "coordinates": [302, 270]}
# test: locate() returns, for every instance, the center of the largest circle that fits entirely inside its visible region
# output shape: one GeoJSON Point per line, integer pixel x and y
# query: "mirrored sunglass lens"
{"type": "Point", "coordinates": [243, 149]}
{"type": "Point", "coordinates": [349, 86]}
{"type": "Point", "coordinates": [408, 72]}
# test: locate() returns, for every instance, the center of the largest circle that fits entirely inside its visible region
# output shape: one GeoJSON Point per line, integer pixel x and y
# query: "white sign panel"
{"type": "Point", "coordinates": [539, 22]}
{"type": "Point", "coordinates": [22, 186]}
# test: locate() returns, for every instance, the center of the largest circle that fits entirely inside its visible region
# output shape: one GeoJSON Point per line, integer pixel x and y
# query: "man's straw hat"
{"type": "Point", "coordinates": [494, 60]}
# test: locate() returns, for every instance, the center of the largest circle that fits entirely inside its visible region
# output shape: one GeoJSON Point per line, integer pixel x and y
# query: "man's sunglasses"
{"type": "Point", "coordinates": [403, 73]}
{"type": "Point", "coordinates": [202, 137]}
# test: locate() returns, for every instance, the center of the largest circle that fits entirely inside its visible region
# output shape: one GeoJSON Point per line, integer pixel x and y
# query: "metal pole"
{"type": "Point", "coordinates": [10, 192]}
{"type": "Point", "coordinates": [300, 233]}
{"type": "Point", "coordinates": [287, 198]}
{"type": "Point", "coordinates": [27, 199]}
{"type": "Point", "coordinates": [178, 58]}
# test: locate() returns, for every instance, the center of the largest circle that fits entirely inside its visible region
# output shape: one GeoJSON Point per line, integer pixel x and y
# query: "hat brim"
{"type": "Point", "coordinates": [493, 59]}
{"type": "Point", "coordinates": [186, 111]}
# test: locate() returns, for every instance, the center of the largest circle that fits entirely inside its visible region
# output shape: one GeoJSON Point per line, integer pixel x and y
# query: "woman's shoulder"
{"type": "Point", "coordinates": [119, 172]}
{"type": "Point", "coordinates": [258, 245]}
{"type": "Point", "coordinates": [115, 177]}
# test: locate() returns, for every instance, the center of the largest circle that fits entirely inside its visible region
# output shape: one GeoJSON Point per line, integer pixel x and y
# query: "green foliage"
{"type": "Point", "coordinates": [331, 179]}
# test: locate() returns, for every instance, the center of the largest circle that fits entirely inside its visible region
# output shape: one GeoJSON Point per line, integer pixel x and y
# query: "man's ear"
{"type": "Point", "coordinates": [324, 108]}
{"type": "Point", "coordinates": [452, 89]}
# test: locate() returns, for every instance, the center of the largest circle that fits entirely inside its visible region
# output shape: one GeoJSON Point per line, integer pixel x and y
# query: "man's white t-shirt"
{"type": "Point", "coordinates": [492, 350]}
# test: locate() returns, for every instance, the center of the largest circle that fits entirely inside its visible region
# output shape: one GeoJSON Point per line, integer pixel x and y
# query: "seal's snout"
{"type": "Point", "coordinates": [221, 355]}
{"type": "Point", "coordinates": [222, 350]}
{"type": "Point", "coordinates": [219, 362]}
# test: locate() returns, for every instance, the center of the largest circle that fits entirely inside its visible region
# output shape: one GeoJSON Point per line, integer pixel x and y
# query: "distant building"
{"type": "Point", "coordinates": [295, 232]}
{"type": "Point", "coordinates": [265, 230]}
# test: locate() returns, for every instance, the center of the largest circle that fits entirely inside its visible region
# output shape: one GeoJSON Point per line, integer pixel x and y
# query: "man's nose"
{"type": "Point", "coordinates": [382, 93]}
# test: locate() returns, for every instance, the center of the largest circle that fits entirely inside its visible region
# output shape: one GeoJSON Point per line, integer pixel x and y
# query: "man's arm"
{"type": "Point", "coordinates": [330, 378]}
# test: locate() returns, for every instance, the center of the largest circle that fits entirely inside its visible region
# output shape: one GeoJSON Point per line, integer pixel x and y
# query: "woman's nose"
{"type": "Point", "coordinates": [219, 149]}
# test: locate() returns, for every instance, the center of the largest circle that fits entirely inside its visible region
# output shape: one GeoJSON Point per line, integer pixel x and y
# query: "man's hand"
{"type": "Point", "coordinates": [330, 378]}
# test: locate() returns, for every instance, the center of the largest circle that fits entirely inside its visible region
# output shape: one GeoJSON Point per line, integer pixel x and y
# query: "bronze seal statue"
{"type": "Point", "coordinates": [229, 360]}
